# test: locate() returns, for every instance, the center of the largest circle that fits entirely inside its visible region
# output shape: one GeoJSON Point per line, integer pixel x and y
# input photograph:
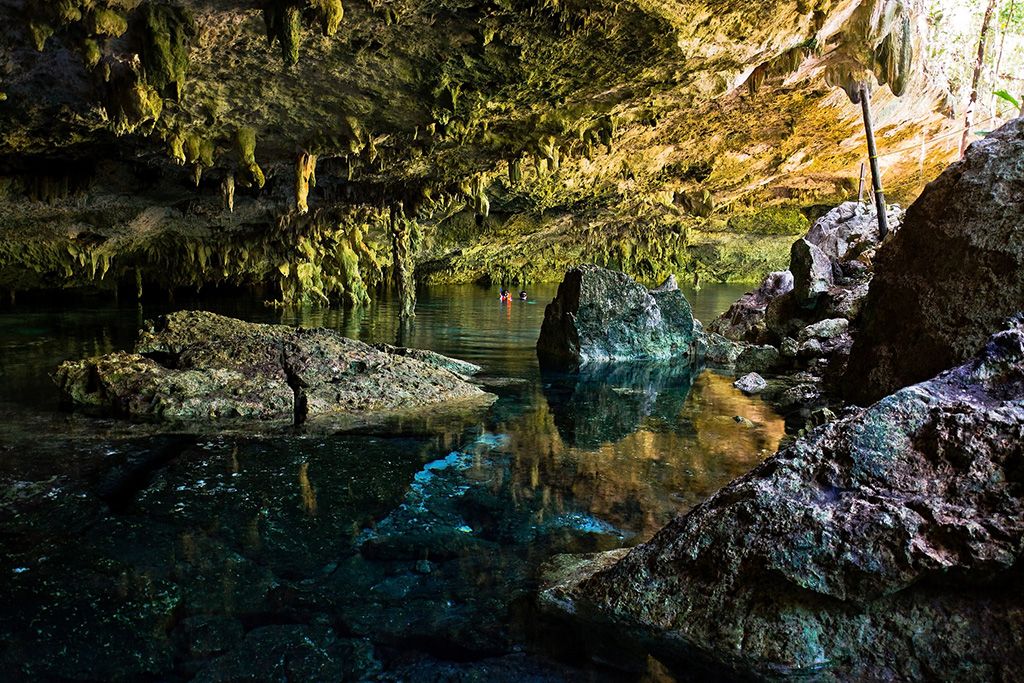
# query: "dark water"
{"type": "Point", "coordinates": [412, 555]}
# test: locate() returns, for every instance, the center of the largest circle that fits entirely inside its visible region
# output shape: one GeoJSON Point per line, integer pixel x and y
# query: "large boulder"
{"type": "Point", "coordinates": [812, 272]}
{"type": "Point", "coordinates": [195, 366]}
{"type": "Point", "coordinates": [604, 315]}
{"type": "Point", "coordinates": [883, 546]}
{"type": "Point", "coordinates": [951, 275]}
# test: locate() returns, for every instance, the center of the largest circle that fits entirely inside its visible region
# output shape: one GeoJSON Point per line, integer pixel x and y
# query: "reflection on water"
{"type": "Point", "coordinates": [607, 401]}
{"type": "Point", "coordinates": [413, 557]}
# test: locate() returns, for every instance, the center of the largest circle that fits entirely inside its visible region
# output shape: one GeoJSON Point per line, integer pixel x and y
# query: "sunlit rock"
{"type": "Point", "coordinates": [950, 276]}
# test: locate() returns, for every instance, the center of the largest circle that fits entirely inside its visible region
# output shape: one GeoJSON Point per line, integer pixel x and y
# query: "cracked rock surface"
{"type": "Point", "coordinates": [195, 366]}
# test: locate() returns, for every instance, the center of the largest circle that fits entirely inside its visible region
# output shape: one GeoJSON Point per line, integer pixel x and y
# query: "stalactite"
{"type": "Point", "coordinates": [227, 187]}
{"type": "Point", "coordinates": [305, 177]}
{"type": "Point", "coordinates": [246, 140]}
{"type": "Point", "coordinates": [403, 265]}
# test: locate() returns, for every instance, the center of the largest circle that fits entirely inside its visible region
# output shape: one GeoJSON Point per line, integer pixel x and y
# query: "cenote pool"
{"type": "Point", "coordinates": [130, 553]}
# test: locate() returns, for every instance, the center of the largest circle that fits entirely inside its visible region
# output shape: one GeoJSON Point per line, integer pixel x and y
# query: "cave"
{"type": "Point", "coordinates": [622, 340]}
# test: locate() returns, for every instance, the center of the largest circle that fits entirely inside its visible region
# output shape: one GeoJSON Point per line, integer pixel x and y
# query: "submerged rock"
{"type": "Point", "coordinates": [195, 366]}
{"type": "Point", "coordinates": [883, 546]}
{"type": "Point", "coordinates": [604, 315]}
{"type": "Point", "coordinates": [951, 275]}
{"type": "Point", "coordinates": [294, 652]}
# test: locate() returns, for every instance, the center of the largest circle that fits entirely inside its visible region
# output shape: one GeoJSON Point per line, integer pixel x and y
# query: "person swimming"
{"type": "Point", "coordinates": [522, 295]}
{"type": "Point", "coordinates": [505, 295]}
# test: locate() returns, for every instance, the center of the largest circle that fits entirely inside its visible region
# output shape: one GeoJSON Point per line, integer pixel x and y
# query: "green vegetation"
{"type": "Point", "coordinates": [165, 47]}
{"type": "Point", "coordinates": [773, 220]}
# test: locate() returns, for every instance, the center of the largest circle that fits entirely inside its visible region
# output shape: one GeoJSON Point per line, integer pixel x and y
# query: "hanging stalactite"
{"type": "Point", "coordinates": [403, 265]}
{"type": "Point", "coordinates": [305, 177]}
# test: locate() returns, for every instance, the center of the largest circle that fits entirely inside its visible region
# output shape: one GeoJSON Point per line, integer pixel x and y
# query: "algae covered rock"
{"type": "Point", "coordinates": [883, 546]}
{"type": "Point", "coordinates": [951, 275]}
{"type": "Point", "coordinates": [194, 366]}
{"type": "Point", "coordinates": [604, 315]}
{"type": "Point", "coordinates": [432, 358]}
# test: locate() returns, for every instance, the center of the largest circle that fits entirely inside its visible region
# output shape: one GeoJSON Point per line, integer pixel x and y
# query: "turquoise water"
{"type": "Point", "coordinates": [409, 555]}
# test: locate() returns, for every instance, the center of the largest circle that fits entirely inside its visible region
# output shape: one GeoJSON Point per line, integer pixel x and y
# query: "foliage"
{"type": "Point", "coordinates": [773, 220]}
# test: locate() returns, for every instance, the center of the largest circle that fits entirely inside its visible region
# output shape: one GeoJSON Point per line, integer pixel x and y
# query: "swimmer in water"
{"type": "Point", "coordinates": [522, 295]}
{"type": "Point", "coordinates": [505, 295]}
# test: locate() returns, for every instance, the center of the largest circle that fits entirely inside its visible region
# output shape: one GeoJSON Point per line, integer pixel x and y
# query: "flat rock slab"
{"type": "Point", "coordinates": [195, 366]}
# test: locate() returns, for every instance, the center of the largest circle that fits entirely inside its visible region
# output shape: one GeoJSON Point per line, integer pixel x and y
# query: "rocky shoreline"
{"type": "Point", "coordinates": [848, 553]}
{"type": "Point", "coordinates": [883, 543]}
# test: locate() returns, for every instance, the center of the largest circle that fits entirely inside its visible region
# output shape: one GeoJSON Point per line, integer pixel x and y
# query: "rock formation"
{"type": "Point", "coordinates": [186, 140]}
{"type": "Point", "coordinates": [603, 315]}
{"type": "Point", "coordinates": [805, 312]}
{"type": "Point", "coordinates": [951, 275]}
{"type": "Point", "coordinates": [884, 546]}
{"type": "Point", "coordinates": [194, 366]}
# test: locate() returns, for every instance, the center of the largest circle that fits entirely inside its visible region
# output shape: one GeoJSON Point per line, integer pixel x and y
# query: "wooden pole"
{"type": "Point", "coordinates": [860, 186]}
{"type": "Point", "coordinates": [876, 176]}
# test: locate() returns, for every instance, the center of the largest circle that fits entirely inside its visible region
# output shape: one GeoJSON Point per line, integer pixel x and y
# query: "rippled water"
{"type": "Point", "coordinates": [411, 555]}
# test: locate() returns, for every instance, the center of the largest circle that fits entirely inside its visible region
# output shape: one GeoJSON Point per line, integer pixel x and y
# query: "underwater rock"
{"type": "Point", "coordinates": [194, 366]}
{"type": "Point", "coordinates": [604, 315]}
{"type": "Point", "coordinates": [884, 545]}
{"type": "Point", "coordinates": [751, 383]}
{"type": "Point", "coordinates": [294, 652]}
{"type": "Point", "coordinates": [950, 276]}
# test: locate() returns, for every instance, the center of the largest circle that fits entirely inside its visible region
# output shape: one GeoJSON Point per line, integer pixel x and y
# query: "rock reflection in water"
{"type": "Point", "coordinates": [317, 555]}
{"type": "Point", "coordinates": [694, 439]}
{"type": "Point", "coordinates": [604, 402]}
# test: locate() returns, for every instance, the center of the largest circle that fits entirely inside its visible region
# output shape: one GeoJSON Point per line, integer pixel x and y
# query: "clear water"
{"type": "Point", "coordinates": [402, 556]}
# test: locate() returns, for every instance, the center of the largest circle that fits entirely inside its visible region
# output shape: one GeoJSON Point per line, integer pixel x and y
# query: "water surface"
{"type": "Point", "coordinates": [405, 556]}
